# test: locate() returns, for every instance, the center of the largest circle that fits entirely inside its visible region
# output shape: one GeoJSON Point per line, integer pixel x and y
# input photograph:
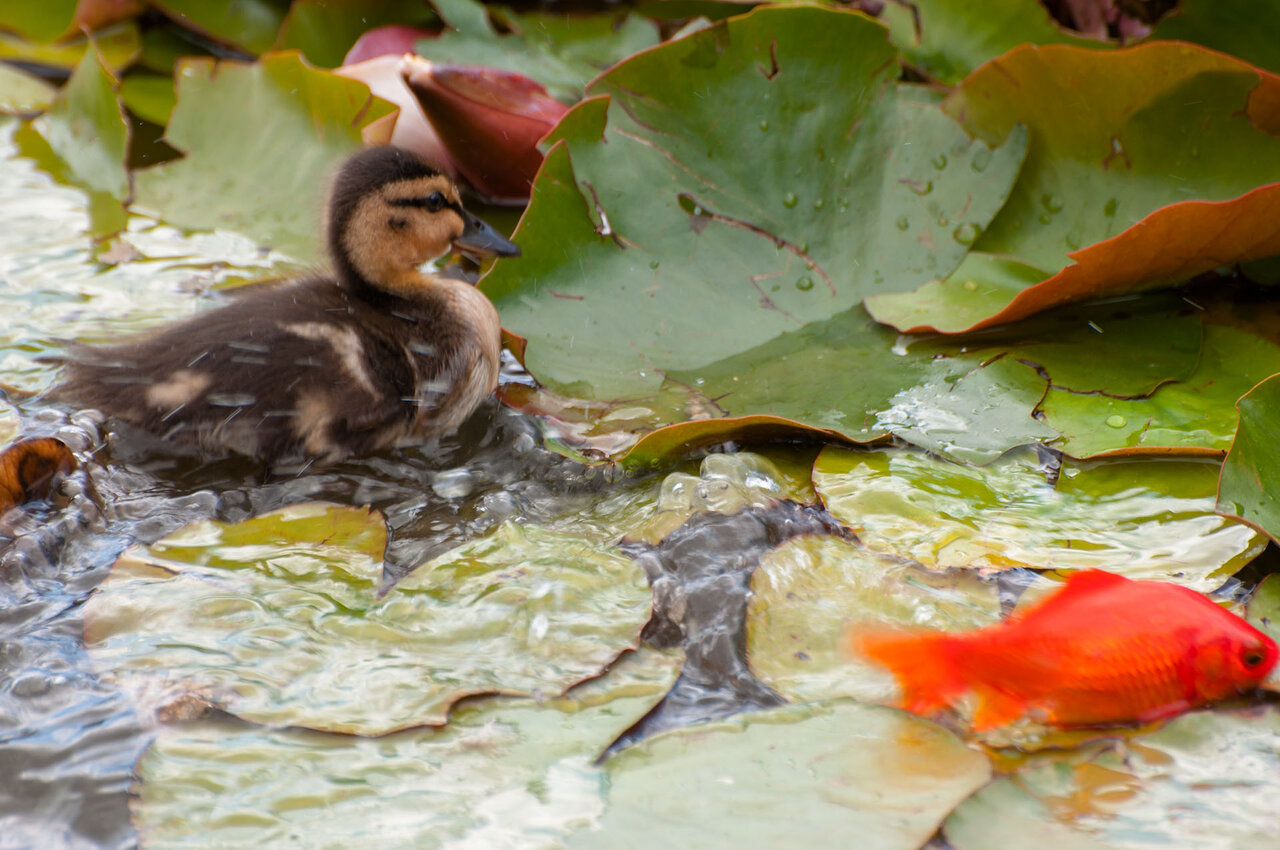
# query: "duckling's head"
{"type": "Point", "coordinates": [390, 212]}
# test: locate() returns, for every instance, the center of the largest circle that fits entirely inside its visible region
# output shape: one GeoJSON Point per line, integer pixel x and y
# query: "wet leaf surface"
{"type": "Point", "coordinates": [277, 619]}
{"type": "Point", "coordinates": [273, 193]}
{"type": "Point", "coordinates": [503, 773]}
{"type": "Point", "coordinates": [789, 777]}
{"type": "Point", "coordinates": [1146, 166]}
{"type": "Point", "coordinates": [1248, 488]}
{"type": "Point", "coordinates": [22, 93]}
{"type": "Point", "coordinates": [1196, 783]}
{"type": "Point", "coordinates": [806, 596]}
{"type": "Point", "coordinates": [946, 41]}
{"type": "Point", "coordinates": [562, 52]}
{"type": "Point", "coordinates": [1150, 518]}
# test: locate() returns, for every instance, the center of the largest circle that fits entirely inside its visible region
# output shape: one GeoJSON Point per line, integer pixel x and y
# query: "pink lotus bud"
{"type": "Point", "coordinates": [394, 39]}
{"type": "Point", "coordinates": [385, 77]}
{"type": "Point", "coordinates": [490, 121]}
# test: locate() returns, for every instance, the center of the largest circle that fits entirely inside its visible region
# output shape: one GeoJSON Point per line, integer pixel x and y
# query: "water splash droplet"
{"type": "Point", "coordinates": [902, 222]}
{"type": "Point", "coordinates": [940, 161]}
{"type": "Point", "coordinates": [1109, 208]}
{"type": "Point", "coordinates": [804, 284]}
{"type": "Point", "coordinates": [764, 125]}
{"type": "Point", "coordinates": [789, 200]}
{"type": "Point", "coordinates": [967, 234]}
{"type": "Point", "coordinates": [1115, 420]}
{"type": "Point", "coordinates": [981, 159]}
{"type": "Point", "coordinates": [1052, 203]}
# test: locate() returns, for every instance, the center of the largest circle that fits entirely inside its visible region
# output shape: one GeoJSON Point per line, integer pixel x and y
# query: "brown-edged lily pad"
{"type": "Point", "coordinates": [1250, 483]}
{"type": "Point", "coordinates": [278, 620]}
{"type": "Point", "coordinates": [1150, 518]}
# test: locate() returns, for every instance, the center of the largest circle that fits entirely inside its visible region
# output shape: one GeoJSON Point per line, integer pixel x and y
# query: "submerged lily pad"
{"type": "Point", "coordinates": [790, 777]}
{"type": "Point", "coordinates": [1250, 484]}
{"type": "Point", "coordinates": [1200, 782]}
{"type": "Point", "coordinates": [271, 192]}
{"type": "Point", "coordinates": [1150, 518]}
{"type": "Point", "coordinates": [1146, 167]}
{"type": "Point", "coordinates": [808, 594]}
{"type": "Point", "coordinates": [277, 619]}
{"type": "Point", "coordinates": [502, 774]}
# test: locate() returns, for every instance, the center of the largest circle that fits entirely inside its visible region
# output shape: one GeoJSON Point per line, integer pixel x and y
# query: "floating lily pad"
{"type": "Point", "coordinates": [271, 192]}
{"type": "Point", "coordinates": [946, 40]}
{"type": "Point", "coordinates": [278, 620]}
{"type": "Point", "coordinates": [790, 777]}
{"type": "Point", "coordinates": [1249, 488]}
{"type": "Point", "coordinates": [86, 142]}
{"type": "Point", "coordinates": [1146, 166]}
{"type": "Point", "coordinates": [1200, 782]}
{"type": "Point", "coordinates": [1264, 607]}
{"type": "Point", "coordinates": [117, 45]}
{"type": "Point", "coordinates": [1196, 415]}
{"type": "Point", "coordinates": [247, 24]}
{"type": "Point", "coordinates": [502, 774]}
{"type": "Point", "coordinates": [562, 52]}
{"type": "Point", "coordinates": [808, 594]}
{"type": "Point", "coordinates": [324, 30]}
{"type": "Point", "coordinates": [1247, 29]}
{"type": "Point", "coordinates": [1150, 518]}
{"type": "Point", "coordinates": [21, 92]}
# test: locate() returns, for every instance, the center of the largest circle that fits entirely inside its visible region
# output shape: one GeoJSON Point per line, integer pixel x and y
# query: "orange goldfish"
{"type": "Point", "coordinates": [1103, 650]}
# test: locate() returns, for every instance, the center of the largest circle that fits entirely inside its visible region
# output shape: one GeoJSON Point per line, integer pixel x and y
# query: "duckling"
{"type": "Point", "coordinates": [325, 367]}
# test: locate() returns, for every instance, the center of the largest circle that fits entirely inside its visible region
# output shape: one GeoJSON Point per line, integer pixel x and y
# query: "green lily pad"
{"type": "Point", "coordinates": [277, 619]}
{"type": "Point", "coordinates": [1248, 487]}
{"type": "Point", "coordinates": [1264, 607]}
{"type": "Point", "coordinates": [1140, 173]}
{"type": "Point", "coordinates": [44, 21]}
{"type": "Point", "coordinates": [1247, 29]}
{"type": "Point", "coordinates": [149, 96]}
{"type": "Point", "coordinates": [562, 52]}
{"type": "Point", "coordinates": [324, 30]}
{"type": "Point", "coordinates": [808, 594]}
{"type": "Point", "coordinates": [789, 777]}
{"type": "Point", "coordinates": [271, 192]}
{"type": "Point", "coordinates": [1200, 782]}
{"type": "Point", "coordinates": [248, 24]}
{"type": "Point", "coordinates": [1192, 416]}
{"type": "Point", "coordinates": [21, 92]}
{"type": "Point", "coordinates": [948, 39]}
{"type": "Point", "coordinates": [502, 773]}
{"type": "Point", "coordinates": [712, 245]}
{"type": "Point", "coordinates": [117, 45]}
{"type": "Point", "coordinates": [85, 142]}
{"type": "Point", "coordinates": [1149, 518]}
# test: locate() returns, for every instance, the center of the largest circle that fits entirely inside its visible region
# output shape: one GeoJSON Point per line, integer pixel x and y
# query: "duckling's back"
{"type": "Point", "coordinates": [290, 372]}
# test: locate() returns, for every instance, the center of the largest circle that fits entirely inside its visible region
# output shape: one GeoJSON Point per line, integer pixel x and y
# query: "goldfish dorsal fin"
{"type": "Point", "coordinates": [1082, 583]}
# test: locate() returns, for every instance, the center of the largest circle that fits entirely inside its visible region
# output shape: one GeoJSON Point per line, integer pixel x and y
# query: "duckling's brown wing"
{"type": "Point", "coordinates": [278, 375]}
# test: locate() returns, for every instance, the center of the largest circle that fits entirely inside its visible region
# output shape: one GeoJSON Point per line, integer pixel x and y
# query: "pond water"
{"type": "Point", "coordinates": [69, 741]}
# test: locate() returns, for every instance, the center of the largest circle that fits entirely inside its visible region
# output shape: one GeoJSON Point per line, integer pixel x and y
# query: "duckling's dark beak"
{"type": "Point", "coordinates": [480, 240]}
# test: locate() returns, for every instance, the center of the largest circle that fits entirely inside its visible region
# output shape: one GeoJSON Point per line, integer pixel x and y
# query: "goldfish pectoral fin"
{"type": "Point", "coordinates": [996, 709]}
{"type": "Point", "coordinates": [1165, 711]}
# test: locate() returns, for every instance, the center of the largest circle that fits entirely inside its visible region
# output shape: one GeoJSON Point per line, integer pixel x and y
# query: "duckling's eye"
{"type": "Point", "coordinates": [435, 202]}
{"type": "Point", "coordinates": [1253, 657]}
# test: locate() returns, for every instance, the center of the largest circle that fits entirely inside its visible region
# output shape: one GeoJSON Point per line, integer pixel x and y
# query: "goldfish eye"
{"type": "Point", "coordinates": [1253, 657]}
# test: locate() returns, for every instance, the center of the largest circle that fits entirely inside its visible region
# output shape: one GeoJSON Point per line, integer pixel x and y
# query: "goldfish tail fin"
{"type": "Point", "coordinates": [922, 662]}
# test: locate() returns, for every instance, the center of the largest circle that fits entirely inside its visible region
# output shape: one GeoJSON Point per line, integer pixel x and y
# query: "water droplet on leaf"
{"type": "Point", "coordinates": [967, 234]}
{"type": "Point", "coordinates": [1045, 218]}
{"type": "Point", "coordinates": [817, 205]}
{"type": "Point", "coordinates": [1052, 203]}
{"type": "Point", "coordinates": [940, 161]}
{"type": "Point", "coordinates": [764, 125]}
{"type": "Point", "coordinates": [653, 264]}
{"type": "Point", "coordinates": [971, 285]}
{"type": "Point", "coordinates": [1115, 420]}
{"type": "Point", "coordinates": [804, 284]}
{"type": "Point", "coordinates": [981, 159]}
{"type": "Point", "coordinates": [943, 221]}
{"type": "Point", "coordinates": [1073, 241]}
{"type": "Point", "coordinates": [902, 222]}
{"type": "Point", "coordinates": [789, 200]}
{"type": "Point", "coordinates": [1109, 208]}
